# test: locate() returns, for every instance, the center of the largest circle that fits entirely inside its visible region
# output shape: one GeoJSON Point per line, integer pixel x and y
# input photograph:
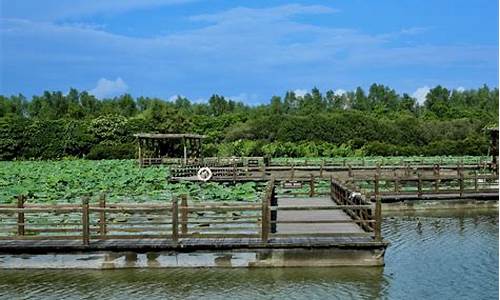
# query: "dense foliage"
{"type": "Point", "coordinates": [379, 122]}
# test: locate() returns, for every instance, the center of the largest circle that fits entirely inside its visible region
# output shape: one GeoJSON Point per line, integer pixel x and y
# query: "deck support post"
{"type": "Point", "coordinates": [175, 220]}
{"type": "Point", "coordinates": [102, 216]}
{"type": "Point", "coordinates": [20, 215]}
{"type": "Point", "coordinates": [85, 221]}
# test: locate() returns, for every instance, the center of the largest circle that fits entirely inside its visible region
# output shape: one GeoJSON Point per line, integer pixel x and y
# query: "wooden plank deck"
{"type": "Point", "coordinates": [184, 245]}
{"type": "Point", "coordinates": [313, 215]}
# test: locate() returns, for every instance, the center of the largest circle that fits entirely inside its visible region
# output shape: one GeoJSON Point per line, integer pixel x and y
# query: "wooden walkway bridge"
{"type": "Point", "coordinates": [335, 221]}
{"type": "Point", "coordinates": [394, 183]}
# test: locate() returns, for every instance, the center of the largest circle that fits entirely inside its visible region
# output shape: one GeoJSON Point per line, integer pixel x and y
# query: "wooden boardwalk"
{"type": "Point", "coordinates": [185, 245]}
{"type": "Point", "coordinates": [279, 221]}
{"type": "Point", "coordinates": [314, 217]}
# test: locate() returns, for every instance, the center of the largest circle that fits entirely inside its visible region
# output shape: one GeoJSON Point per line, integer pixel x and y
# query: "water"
{"type": "Point", "coordinates": [432, 256]}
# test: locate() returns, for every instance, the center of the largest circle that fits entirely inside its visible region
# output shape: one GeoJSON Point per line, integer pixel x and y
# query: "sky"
{"type": "Point", "coordinates": [245, 50]}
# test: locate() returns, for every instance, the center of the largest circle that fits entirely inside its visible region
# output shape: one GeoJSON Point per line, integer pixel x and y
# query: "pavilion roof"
{"type": "Point", "coordinates": [169, 135]}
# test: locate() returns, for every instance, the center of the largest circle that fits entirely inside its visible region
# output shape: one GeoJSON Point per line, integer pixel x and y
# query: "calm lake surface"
{"type": "Point", "coordinates": [431, 256]}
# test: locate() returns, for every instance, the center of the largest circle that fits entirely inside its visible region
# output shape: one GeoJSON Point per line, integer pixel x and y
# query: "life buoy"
{"type": "Point", "coordinates": [204, 174]}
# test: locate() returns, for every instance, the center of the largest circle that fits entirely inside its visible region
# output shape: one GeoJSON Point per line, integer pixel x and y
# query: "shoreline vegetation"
{"type": "Point", "coordinates": [356, 123]}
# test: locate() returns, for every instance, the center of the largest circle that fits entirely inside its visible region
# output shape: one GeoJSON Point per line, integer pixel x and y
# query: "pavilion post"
{"type": "Point", "coordinates": [140, 152]}
{"type": "Point", "coordinates": [185, 150]}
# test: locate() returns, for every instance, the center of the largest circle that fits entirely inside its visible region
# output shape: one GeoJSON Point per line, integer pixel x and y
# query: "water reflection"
{"type": "Point", "coordinates": [432, 255]}
{"type": "Point", "coordinates": [295, 283]}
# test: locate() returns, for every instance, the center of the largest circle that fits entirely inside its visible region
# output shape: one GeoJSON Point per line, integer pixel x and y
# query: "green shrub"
{"type": "Point", "coordinates": [117, 151]}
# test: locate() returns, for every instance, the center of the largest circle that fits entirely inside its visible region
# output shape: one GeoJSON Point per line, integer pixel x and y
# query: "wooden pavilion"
{"type": "Point", "coordinates": [158, 148]}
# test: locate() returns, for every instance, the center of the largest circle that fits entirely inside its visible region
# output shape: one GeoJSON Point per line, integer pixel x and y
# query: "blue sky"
{"type": "Point", "coordinates": [246, 50]}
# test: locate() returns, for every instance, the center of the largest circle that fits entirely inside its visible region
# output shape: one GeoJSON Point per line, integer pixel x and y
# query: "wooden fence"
{"type": "Point", "coordinates": [174, 220]}
{"type": "Point", "coordinates": [483, 161]}
{"type": "Point", "coordinates": [363, 210]}
{"type": "Point", "coordinates": [420, 185]}
{"type": "Point", "coordinates": [237, 172]}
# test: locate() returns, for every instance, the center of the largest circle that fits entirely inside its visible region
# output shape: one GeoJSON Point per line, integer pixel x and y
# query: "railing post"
{"type": "Point", "coordinates": [376, 185]}
{"type": "Point", "coordinates": [102, 216]}
{"type": "Point", "coordinates": [175, 219]}
{"type": "Point", "coordinates": [234, 172]}
{"type": "Point", "coordinates": [184, 214]}
{"type": "Point", "coordinates": [461, 182]}
{"type": "Point", "coordinates": [20, 215]}
{"type": "Point", "coordinates": [292, 173]}
{"type": "Point", "coordinates": [272, 214]}
{"type": "Point", "coordinates": [264, 230]}
{"type": "Point", "coordinates": [378, 211]}
{"type": "Point", "coordinates": [396, 185]}
{"type": "Point", "coordinates": [331, 189]}
{"type": "Point", "coordinates": [349, 170]}
{"type": "Point", "coordinates": [85, 221]}
{"type": "Point", "coordinates": [475, 181]}
{"type": "Point", "coordinates": [311, 186]}
{"type": "Point", "coordinates": [437, 181]}
{"type": "Point", "coordinates": [321, 168]}
{"type": "Point", "coordinates": [419, 186]}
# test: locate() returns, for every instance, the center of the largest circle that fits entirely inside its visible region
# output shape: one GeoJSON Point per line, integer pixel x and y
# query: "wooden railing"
{"type": "Point", "coordinates": [368, 214]}
{"type": "Point", "coordinates": [237, 172]}
{"type": "Point", "coordinates": [483, 161]}
{"type": "Point", "coordinates": [420, 185]}
{"type": "Point", "coordinates": [174, 220]}
{"type": "Point", "coordinates": [100, 221]}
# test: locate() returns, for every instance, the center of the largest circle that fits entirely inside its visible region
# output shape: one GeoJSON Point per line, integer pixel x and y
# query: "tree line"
{"type": "Point", "coordinates": [375, 122]}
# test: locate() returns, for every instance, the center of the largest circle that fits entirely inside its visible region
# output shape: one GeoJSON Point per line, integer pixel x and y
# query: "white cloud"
{"type": "Point", "coordinates": [339, 92]}
{"type": "Point", "coordinates": [199, 100]}
{"type": "Point", "coordinates": [414, 30]}
{"type": "Point", "coordinates": [420, 94]}
{"type": "Point", "coordinates": [300, 92]}
{"type": "Point", "coordinates": [61, 9]}
{"type": "Point", "coordinates": [174, 97]}
{"type": "Point", "coordinates": [244, 97]}
{"type": "Point", "coordinates": [460, 89]}
{"type": "Point", "coordinates": [244, 14]}
{"type": "Point", "coordinates": [109, 88]}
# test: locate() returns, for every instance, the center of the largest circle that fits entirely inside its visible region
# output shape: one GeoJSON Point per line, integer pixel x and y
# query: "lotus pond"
{"type": "Point", "coordinates": [66, 181]}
